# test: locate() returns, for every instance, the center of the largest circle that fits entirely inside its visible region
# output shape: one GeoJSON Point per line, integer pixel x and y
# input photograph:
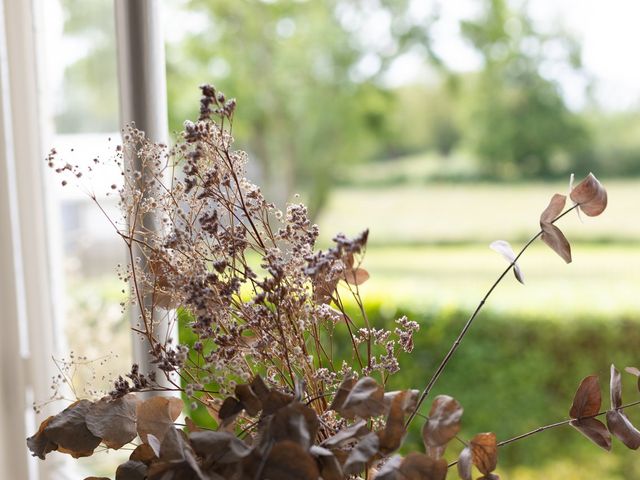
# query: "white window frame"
{"type": "Point", "coordinates": [30, 335]}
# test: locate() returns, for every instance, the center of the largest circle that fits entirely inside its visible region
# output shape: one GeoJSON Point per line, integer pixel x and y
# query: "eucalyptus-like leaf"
{"type": "Point", "coordinates": [555, 239]}
{"type": "Point", "coordinates": [594, 430]}
{"type": "Point", "coordinates": [348, 434]}
{"type": "Point", "coordinates": [588, 399]}
{"type": "Point", "coordinates": [362, 454]}
{"type": "Point", "coordinates": [504, 248]}
{"type": "Point", "coordinates": [621, 427]}
{"type": "Point", "coordinates": [615, 388]}
{"type": "Point", "coordinates": [114, 421]}
{"type": "Point", "coordinates": [365, 400]}
{"type": "Point", "coordinates": [590, 195]}
{"type": "Point", "coordinates": [156, 416]}
{"type": "Point", "coordinates": [617, 422]}
{"type": "Point", "coordinates": [289, 461]}
{"type": "Point", "coordinates": [330, 468]}
{"type": "Point", "coordinates": [555, 207]}
{"type": "Point", "coordinates": [465, 464]}
{"type": "Point", "coordinates": [444, 422]}
{"type": "Point", "coordinates": [484, 452]}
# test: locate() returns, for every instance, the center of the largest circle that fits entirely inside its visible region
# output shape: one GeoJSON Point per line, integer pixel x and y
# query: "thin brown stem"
{"type": "Point", "coordinates": [467, 325]}
{"type": "Point", "coordinates": [554, 425]}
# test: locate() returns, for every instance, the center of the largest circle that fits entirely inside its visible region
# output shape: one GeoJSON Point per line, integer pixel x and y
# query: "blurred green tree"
{"type": "Point", "coordinates": [307, 79]}
{"type": "Point", "coordinates": [519, 121]}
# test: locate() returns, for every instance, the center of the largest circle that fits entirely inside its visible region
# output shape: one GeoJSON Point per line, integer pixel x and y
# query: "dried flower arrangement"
{"type": "Point", "coordinates": [296, 383]}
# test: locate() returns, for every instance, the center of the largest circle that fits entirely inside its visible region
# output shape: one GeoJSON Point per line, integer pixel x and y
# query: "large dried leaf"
{"type": "Point", "coordinates": [415, 466]}
{"type": "Point", "coordinates": [484, 452]}
{"type": "Point", "coordinates": [615, 388]}
{"type": "Point", "coordinates": [587, 399]}
{"type": "Point", "coordinates": [555, 207]}
{"type": "Point", "coordinates": [39, 443]}
{"type": "Point", "coordinates": [114, 421]}
{"type": "Point", "coordinates": [443, 423]}
{"type": "Point", "coordinates": [389, 470]}
{"type": "Point", "coordinates": [617, 422]}
{"type": "Point", "coordinates": [330, 468]}
{"type": "Point", "coordinates": [230, 409]}
{"type": "Point", "coordinates": [393, 433]}
{"type": "Point", "coordinates": [69, 431]}
{"type": "Point", "coordinates": [274, 401]}
{"type": "Point", "coordinates": [143, 453]}
{"type": "Point", "coordinates": [296, 423]}
{"type": "Point", "coordinates": [555, 239]}
{"type": "Point", "coordinates": [622, 428]}
{"type": "Point", "coordinates": [156, 415]}
{"type": "Point", "coordinates": [348, 434]}
{"type": "Point", "coordinates": [289, 461]}
{"type": "Point", "coordinates": [590, 195]}
{"type": "Point", "coordinates": [218, 447]}
{"type": "Point", "coordinates": [248, 398]}
{"type": "Point", "coordinates": [365, 400]}
{"type": "Point", "coordinates": [361, 454]}
{"type": "Point", "coordinates": [132, 470]}
{"type": "Point", "coordinates": [356, 276]}
{"type": "Point", "coordinates": [342, 393]}
{"type": "Point", "coordinates": [465, 464]}
{"type": "Point", "coordinates": [504, 248]}
{"type": "Point", "coordinates": [594, 430]}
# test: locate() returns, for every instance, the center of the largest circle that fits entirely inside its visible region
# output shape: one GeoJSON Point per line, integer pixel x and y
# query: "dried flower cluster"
{"type": "Point", "coordinates": [296, 384]}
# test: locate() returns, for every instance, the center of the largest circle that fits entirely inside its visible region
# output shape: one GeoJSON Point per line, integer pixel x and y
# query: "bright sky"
{"type": "Point", "coordinates": [609, 33]}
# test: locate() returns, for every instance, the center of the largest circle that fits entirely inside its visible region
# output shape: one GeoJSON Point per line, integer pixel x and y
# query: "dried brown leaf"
{"type": "Point", "coordinates": [393, 433]}
{"type": "Point", "coordinates": [296, 423]}
{"type": "Point", "coordinates": [389, 470]}
{"type": "Point", "coordinates": [555, 239]}
{"type": "Point", "coordinates": [356, 276]}
{"type": "Point", "coordinates": [330, 468]}
{"type": "Point", "coordinates": [621, 427]}
{"type": "Point", "coordinates": [465, 464]}
{"type": "Point", "coordinates": [417, 466]}
{"type": "Point", "coordinates": [230, 409]}
{"type": "Point", "coordinates": [443, 423]}
{"type": "Point", "coordinates": [114, 421]}
{"type": "Point", "coordinates": [39, 443]}
{"type": "Point", "coordinates": [365, 400]}
{"type": "Point", "coordinates": [484, 452]}
{"type": "Point", "coordinates": [588, 399]}
{"type": "Point", "coordinates": [590, 195]}
{"type": "Point", "coordinates": [504, 248]}
{"type": "Point", "coordinates": [348, 434]}
{"type": "Point", "coordinates": [555, 207]}
{"type": "Point", "coordinates": [248, 398]}
{"type": "Point", "coordinates": [132, 470]}
{"type": "Point", "coordinates": [275, 401]}
{"type": "Point", "coordinates": [289, 461]}
{"type": "Point", "coordinates": [342, 393]}
{"type": "Point", "coordinates": [615, 388]}
{"type": "Point", "coordinates": [218, 447]}
{"type": "Point", "coordinates": [143, 453]}
{"type": "Point", "coordinates": [594, 430]}
{"type": "Point", "coordinates": [361, 454]}
{"type": "Point", "coordinates": [69, 431]}
{"type": "Point", "coordinates": [156, 415]}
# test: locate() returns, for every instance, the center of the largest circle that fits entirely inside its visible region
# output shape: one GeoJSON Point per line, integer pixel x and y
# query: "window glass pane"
{"type": "Point", "coordinates": [81, 90]}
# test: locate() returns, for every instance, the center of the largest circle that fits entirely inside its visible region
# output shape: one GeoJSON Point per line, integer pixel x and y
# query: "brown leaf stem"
{"type": "Point", "coordinates": [553, 425]}
{"type": "Point", "coordinates": [467, 325]}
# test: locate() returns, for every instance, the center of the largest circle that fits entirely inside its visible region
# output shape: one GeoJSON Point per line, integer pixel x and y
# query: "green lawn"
{"type": "Point", "coordinates": [468, 213]}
